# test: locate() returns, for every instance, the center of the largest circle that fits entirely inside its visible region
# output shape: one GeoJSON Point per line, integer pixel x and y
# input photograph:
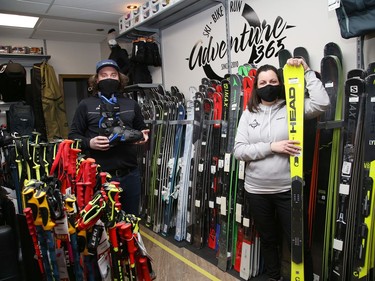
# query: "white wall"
{"type": "Point", "coordinates": [66, 57]}
{"type": "Point", "coordinates": [73, 57]}
{"type": "Point", "coordinates": [313, 27]}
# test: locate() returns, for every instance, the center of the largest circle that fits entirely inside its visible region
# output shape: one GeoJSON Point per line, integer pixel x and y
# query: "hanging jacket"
{"type": "Point", "coordinates": [53, 104]}
{"type": "Point", "coordinates": [268, 172]}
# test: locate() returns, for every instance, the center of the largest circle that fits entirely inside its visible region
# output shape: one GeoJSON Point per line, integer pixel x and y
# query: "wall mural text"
{"type": "Point", "coordinates": [258, 39]}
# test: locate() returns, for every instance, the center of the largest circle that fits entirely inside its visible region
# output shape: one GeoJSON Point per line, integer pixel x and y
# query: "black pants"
{"type": "Point", "coordinates": [131, 191]}
{"type": "Point", "coordinates": [270, 211]}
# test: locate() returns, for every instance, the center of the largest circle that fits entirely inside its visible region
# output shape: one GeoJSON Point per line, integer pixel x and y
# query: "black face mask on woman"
{"type": "Point", "coordinates": [108, 86]}
{"type": "Point", "coordinates": [270, 93]}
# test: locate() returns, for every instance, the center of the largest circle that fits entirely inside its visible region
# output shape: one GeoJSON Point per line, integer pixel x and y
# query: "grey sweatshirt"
{"type": "Point", "coordinates": [268, 172]}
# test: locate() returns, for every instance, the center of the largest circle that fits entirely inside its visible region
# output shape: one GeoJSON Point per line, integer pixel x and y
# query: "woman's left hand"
{"type": "Point", "coordinates": [298, 62]}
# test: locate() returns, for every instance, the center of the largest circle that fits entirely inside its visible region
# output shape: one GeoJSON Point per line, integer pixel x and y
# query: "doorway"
{"type": "Point", "coordinates": [74, 88]}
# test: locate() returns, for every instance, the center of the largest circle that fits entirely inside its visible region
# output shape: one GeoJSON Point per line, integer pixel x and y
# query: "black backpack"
{"type": "Point", "coordinates": [20, 119]}
{"type": "Point", "coordinates": [12, 82]}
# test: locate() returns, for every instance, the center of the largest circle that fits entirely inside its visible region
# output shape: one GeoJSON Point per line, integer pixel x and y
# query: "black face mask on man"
{"type": "Point", "coordinates": [108, 86]}
{"type": "Point", "coordinates": [270, 93]}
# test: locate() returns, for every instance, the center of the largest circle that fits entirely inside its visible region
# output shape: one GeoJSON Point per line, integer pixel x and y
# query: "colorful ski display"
{"type": "Point", "coordinates": [194, 190]}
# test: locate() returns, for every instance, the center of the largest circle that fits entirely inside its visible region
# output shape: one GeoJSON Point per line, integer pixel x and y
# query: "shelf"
{"type": "Point", "coordinates": [26, 60]}
{"type": "Point", "coordinates": [171, 14]}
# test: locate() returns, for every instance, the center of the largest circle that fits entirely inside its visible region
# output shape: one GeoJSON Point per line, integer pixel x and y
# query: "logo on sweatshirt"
{"type": "Point", "coordinates": [254, 124]}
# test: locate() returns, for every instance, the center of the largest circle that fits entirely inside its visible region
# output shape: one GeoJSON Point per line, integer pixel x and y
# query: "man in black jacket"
{"type": "Point", "coordinates": [99, 122]}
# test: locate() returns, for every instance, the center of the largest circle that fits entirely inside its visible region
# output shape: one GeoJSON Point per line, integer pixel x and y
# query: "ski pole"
{"type": "Point", "coordinates": [47, 225]}
{"type": "Point", "coordinates": [35, 160]}
{"type": "Point", "coordinates": [91, 178]}
{"type": "Point", "coordinates": [26, 155]}
{"type": "Point", "coordinates": [70, 201]}
{"type": "Point", "coordinates": [43, 158]}
{"type": "Point", "coordinates": [112, 193]}
{"type": "Point", "coordinates": [14, 174]}
{"type": "Point", "coordinates": [144, 269]}
{"type": "Point", "coordinates": [72, 168]}
{"type": "Point", "coordinates": [32, 230]}
{"type": "Point", "coordinates": [91, 212]}
{"type": "Point", "coordinates": [127, 234]}
{"type": "Point", "coordinates": [31, 201]}
{"type": "Point", "coordinates": [80, 191]}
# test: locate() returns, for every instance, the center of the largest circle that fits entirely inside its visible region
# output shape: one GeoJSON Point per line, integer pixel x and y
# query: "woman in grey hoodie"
{"type": "Point", "coordinates": [262, 142]}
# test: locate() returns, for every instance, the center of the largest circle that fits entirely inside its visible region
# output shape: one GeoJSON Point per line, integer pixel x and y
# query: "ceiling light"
{"type": "Point", "coordinates": [132, 7]}
{"type": "Point", "coordinates": [17, 20]}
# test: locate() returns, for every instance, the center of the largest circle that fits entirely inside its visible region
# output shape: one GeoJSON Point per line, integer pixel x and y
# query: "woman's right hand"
{"type": "Point", "coordinates": [99, 143]}
{"type": "Point", "coordinates": [290, 147]}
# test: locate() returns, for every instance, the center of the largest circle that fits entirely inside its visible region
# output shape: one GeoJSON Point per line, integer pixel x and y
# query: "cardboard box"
{"type": "Point", "coordinates": [157, 6]}
{"type": "Point", "coordinates": [5, 49]}
{"type": "Point", "coordinates": [121, 24]}
{"type": "Point", "coordinates": [147, 5]}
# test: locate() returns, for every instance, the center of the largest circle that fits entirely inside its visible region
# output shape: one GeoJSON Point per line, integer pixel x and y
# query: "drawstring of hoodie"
{"type": "Point", "coordinates": [269, 123]}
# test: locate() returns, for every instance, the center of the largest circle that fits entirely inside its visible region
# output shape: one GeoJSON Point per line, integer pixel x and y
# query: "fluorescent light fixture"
{"type": "Point", "coordinates": [17, 20]}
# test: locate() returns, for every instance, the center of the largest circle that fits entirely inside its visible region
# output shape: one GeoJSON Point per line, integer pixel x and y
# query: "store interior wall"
{"type": "Point", "coordinates": [66, 57]}
{"type": "Point", "coordinates": [312, 26]}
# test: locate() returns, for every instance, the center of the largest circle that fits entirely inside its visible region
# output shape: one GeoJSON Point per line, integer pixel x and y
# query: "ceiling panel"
{"type": "Point", "coordinates": [83, 14]}
{"type": "Point", "coordinates": [24, 7]}
{"type": "Point", "coordinates": [74, 26]}
{"type": "Point", "coordinates": [67, 20]}
{"type": "Point", "coordinates": [67, 36]}
{"type": "Point", "coordinates": [114, 6]}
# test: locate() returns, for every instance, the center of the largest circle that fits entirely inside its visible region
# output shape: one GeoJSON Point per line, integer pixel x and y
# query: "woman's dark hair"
{"type": "Point", "coordinates": [93, 86]}
{"type": "Point", "coordinates": [254, 101]}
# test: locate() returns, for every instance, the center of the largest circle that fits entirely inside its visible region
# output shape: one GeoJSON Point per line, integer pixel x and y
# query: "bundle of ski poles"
{"type": "Point", "coordinates": [73, 214]}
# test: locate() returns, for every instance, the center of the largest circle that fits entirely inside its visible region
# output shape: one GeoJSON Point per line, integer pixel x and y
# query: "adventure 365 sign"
{"type": "Point", "coordinates": [252, 38]}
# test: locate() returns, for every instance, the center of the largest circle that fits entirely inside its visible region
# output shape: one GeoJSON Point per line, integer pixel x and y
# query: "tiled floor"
{"type": "Point", "coordinates": [174, 263]}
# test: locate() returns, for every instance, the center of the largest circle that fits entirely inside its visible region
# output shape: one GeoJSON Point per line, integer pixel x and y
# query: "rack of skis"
{"type": "Point", "coordinates": [191, 185]}
{"type": "Point", "coordinates": [194, 188]}
{"type": "Point", "coordinates": [70, 208]}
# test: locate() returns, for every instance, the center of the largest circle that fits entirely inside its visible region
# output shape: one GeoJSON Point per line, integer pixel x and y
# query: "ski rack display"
{"type": "Point", "coordinates": [209, 210]}
{"type": "Point", "coordinates": [191, 190]}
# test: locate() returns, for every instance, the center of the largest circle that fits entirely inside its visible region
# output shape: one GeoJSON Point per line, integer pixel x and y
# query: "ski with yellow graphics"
{"type": "Point", "coordinates": [364, 231]}
{"type": "Point", "coordinates": [294, 92]}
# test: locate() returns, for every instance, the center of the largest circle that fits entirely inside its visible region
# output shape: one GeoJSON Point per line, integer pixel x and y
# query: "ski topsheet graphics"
{"type": "Point", "coordinates": [328, 150]}
{"type": "Point", "coordinates": [348, 186]}
{"type": "Point", "coordinates": [294, 91]}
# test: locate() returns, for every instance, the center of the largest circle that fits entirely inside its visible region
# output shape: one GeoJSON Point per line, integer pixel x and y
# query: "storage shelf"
{"type": "Point", "coordinates": [24, 59]}
{"type": "Point", "coordinates": [136, 87]}
{"type": "Point", "coordinates": [171, 14]}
